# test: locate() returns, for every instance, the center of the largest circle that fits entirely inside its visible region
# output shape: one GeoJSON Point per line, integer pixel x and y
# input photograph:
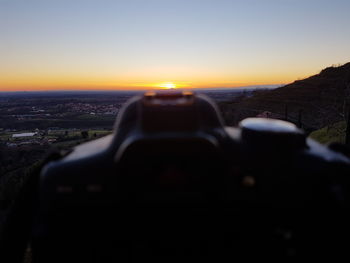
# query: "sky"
{"type": "Point", "coordinates": [143, 44]}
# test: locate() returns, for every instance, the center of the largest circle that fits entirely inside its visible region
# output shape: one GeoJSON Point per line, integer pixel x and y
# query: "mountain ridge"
{"type": "Point", "coordinates": [313, 102]}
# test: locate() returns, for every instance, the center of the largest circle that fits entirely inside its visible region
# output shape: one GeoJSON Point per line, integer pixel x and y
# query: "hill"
{"type": "Point", "coordinates": [313, 103]}
{"type": "Point", "coordinates": [331, 133]}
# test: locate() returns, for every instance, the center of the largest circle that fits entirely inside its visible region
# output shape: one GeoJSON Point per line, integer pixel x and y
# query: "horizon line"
{"type": "Point", "coordinates": [142, 89]}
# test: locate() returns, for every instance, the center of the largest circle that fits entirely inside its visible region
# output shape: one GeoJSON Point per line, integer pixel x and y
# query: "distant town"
{"type": "Point", "coordinates": [51, 118]}
{"type": "Point", "coordinates": [38, 119]}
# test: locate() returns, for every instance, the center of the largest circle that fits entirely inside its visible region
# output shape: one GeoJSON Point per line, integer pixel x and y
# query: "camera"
{"type": "Point", "coordinates": [172, 183]}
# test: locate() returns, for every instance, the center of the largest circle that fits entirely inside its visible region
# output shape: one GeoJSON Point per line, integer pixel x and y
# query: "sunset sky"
{"type": "Point", "coordinates": [142, 44]}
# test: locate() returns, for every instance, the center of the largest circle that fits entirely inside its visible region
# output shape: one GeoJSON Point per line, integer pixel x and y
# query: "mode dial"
{"type": "Point", "coordinates": [271, 132]}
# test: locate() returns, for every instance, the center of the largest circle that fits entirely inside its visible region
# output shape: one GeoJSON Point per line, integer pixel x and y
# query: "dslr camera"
{"type": "Point", "coordinates": [173, 184]}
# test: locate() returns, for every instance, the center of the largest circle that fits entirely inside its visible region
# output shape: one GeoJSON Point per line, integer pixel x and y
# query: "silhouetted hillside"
{"type": "Point", "coordinates": [317, 101]}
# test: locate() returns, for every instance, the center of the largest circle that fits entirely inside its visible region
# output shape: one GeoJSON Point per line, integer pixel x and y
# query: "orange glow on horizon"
{"type": "Point", "coordinates": [143, 79]}
{"type": "Point", "coordinates": [42, 79]}
{"type": "Point", "coordinates": [10, 81]}
{"type": "Point", "coordinates": [14, 88]}
{"type": "Point", "coordinates": [108, 84]}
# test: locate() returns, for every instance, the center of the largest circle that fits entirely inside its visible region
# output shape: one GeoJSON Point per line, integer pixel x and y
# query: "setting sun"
{"type": "Point", "coordinates": [168, 85]}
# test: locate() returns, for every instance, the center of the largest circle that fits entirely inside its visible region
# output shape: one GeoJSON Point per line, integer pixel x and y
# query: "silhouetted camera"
{"type": "Point", "coordinates": [172, 183]}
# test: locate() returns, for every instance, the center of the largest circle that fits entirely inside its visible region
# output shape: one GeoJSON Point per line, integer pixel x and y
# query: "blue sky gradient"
{"type": "Point", "coordinates": [129, 44]}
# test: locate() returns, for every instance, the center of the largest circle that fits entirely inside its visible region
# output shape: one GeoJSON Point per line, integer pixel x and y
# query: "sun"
{"type": "Point", "coordinates": [168, 85]}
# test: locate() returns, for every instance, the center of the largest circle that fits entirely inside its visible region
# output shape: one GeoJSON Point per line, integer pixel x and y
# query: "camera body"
{"type": "Point", "coordinates": [173, 183]}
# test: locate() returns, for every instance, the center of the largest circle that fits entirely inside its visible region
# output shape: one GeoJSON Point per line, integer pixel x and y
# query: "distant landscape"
{"type": "Point", "coordinates": [33, 124]}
